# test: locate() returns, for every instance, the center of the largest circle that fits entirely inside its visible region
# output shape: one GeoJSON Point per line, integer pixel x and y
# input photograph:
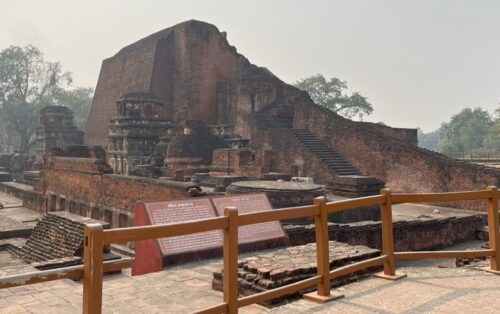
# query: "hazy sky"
{"type": "Point", "coordinates": [418, 62]}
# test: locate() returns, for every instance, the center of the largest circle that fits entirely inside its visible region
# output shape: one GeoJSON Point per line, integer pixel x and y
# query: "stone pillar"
{"type": "Point", "coordinates": [62, 203]}
{"type": "Point", "coordinates": [52, 202]}
{"type": "Point", "coordinates": [116, 220]}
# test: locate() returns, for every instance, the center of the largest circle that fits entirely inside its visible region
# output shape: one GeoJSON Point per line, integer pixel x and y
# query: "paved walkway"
{"type": "Point", "coordinates": [428, 289]}
{"type": "Point", "coordinates": [431, 287]}
{"type": "Point", "coordinates": [13, 216]}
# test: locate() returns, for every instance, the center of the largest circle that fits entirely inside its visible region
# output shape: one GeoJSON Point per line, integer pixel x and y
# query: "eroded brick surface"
{"type": "Point", "coordinates": [278, 268]}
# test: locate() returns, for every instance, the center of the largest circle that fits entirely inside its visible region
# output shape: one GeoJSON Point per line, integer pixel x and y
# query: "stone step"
{"type": "Point", "coordinates": [339, 165]}
{"type": "Point", "coordinates": [319, 149]}
{"type": "Point", "coordinates": [334, 159]}
{"type": "Point", "coordinates": [329, 157]}
{"type": "Point", "coordinates": [343, 166]}
{"type": "Point", "coordinates": [339, 169]}
{"type": "Point", "coordinates": [313, 143]}
{"type": "Point", "coordinates": [326, 153]}
{"type": "Point", "coordinates": [345, 170]}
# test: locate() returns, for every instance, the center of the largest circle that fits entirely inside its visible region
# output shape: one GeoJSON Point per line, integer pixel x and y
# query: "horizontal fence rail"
{"type": "Point", "coordinates": [443, 254]}
{"type": "Point", "coordinates": [441, 197]}
{"type": "Point", "coordinates": [95, 238]}
{"type": "Point", "coordinates": [71, 272]}
{"type": "Point", "coordinates": [231, 220]}
{"type": "Point", "coordinates": [356, 202]}
{"type": "Point", "coordinates": [123, 235]}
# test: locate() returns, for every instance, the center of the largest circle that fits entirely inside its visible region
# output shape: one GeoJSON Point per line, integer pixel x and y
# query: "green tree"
{"type": "Point", "coordinates": [78, 100]}
{"type": "Point", "coordinates": [428, 140]}
{"type": "Point", "coordinates": [492, 140]}
{"type": "Point", "coordinates": [465, 132]}
{"type": "Point", "coordinates": [332, 95]}
{"type": "Point", "coordinates": [27, 83]}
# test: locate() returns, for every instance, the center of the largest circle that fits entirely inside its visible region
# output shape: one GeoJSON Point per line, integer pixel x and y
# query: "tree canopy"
{"type": "Point", "coordinates": [492, 140]}
{"type": "Point", "coordinates": [78, 100]}
{"type": "Point", "coordinates": [428, 140]}
{"type": "Point", "coordinates": [466, 131]}
{"type": "Point", "coordinates": [332, 94]}
{"type": "Point", "coordinates": [28, 83]}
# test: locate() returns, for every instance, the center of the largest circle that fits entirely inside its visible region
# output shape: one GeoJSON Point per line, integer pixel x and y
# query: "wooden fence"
{"type": "Point", "coordinates": [95, 238]}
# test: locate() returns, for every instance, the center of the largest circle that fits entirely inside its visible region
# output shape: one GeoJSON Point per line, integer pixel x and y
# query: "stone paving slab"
{"type": "Point", "coordinates": [15, 220]}
{"type": "Point", "coordinates": [9, 200]}
{"type": "Point", "coordinates": [11, 265]}
{"type": "Point", "coordinates": [427, 289]}
{"type": "Point", "coordinates": [13, 212]}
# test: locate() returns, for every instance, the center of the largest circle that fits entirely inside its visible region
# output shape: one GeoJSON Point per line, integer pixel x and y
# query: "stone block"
{"type": "Point", "coordinates": [355, 186]}
{"type": "Point", "coordinates": [5, 177]}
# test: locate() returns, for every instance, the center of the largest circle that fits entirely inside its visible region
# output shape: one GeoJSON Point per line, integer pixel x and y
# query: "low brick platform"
{"type": "Point", "coordinates": [285, 266]}
{"type": "Point", "coordinates": [30, 198]}
{"type": "Point", "coordinates": [16, 222]}
{"type": "Point", "coordinates": [280, 193]}
{"type": "Point", "coordinates": [355, 185]}
{"type": "Point", "coordinates": [5, 176]}
{"type": "Point", "coordinates": [416, 227]}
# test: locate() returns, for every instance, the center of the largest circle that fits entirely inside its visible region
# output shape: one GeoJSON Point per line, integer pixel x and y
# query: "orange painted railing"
{"type": "Point", "coordinates": [95, 238]}
{"type": "Point", "coordinates": [229, 223]}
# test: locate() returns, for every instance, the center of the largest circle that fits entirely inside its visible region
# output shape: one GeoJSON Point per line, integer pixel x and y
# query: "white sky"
{"type": "Point", "coordinates": [418, 62]}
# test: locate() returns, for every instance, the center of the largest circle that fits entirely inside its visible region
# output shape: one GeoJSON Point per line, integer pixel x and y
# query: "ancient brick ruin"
{"type": "Point", "coordinates": [282, 267]}
{"type": "Point", "coordinates": [276, 128]}
{"type": "Point", "coordinates": [135, 131]}
{"type": "Point", "coordinates": [56, 241]}
{"type": "Point", "coordinates": [55, 130]}
{"type": "Point", "coordinates": [181, 113]}
{"type": "Point", "coordinates": [181, 119]}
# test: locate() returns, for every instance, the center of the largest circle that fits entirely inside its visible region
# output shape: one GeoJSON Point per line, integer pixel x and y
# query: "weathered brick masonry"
{"type": "Point", "coordinates": [409, 235]}
{"type": "Point", "coordinates": [197, 75]}
{"type": "Point", "coordinates": [403, 166]}
{"type": "Point", "coordinates": [85, 186]}
{"type": "Point", "coordinates": [388, 154]}
{"type": "Point", "coordinates": [181, 65]}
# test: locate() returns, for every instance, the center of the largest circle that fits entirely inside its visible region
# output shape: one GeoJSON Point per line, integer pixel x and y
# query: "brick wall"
{"type": "Point", "coordinates": [84, 186]}
{"type": "Point", "coordinates": [388, 154]}
{"type": "Point", "coordinates": [181, 65]}
{"type": "Point", "coordinates": [409, 235]}
{"type": "Point", "coordinates": [403, 166]}
{"type": "Point", "coordinates": [239, 99]}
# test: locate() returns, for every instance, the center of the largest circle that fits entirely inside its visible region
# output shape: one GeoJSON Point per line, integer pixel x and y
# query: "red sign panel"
{"type": "Point", "coordinates": [172, 212]}
{"type": "Point", "coordinates": [248, 203]}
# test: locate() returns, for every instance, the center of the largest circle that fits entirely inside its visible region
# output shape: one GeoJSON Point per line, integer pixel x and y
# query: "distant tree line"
{"type": "Point", "coordinates": [470, 130]}
{"type": "Point", "coordinates": [28, 83]}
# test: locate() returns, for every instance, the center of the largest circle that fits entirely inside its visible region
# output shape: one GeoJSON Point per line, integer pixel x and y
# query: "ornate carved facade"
{"type": "Point", "coordinates": [135, 131]}
{"type": "Point", "coordinates": [55, 130]}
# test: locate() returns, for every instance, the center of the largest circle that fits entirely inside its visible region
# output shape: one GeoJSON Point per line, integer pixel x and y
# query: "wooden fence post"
{"type": "Point", "coordinates": [493, 230]}
{"type": "Point", "coordinates": [230, 266]}
{"type": "Point", "coordinates": [387, 238]}
{"type": "Point", "coordinates": [92, 269]}
{"type": "Point", "coordinates": [322, 256]}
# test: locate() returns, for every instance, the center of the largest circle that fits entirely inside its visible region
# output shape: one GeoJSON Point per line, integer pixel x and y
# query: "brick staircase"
{"type": "Point", "coordinates": [328, 156]}
{"type": "Point", "coordinates": [271, 121]}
